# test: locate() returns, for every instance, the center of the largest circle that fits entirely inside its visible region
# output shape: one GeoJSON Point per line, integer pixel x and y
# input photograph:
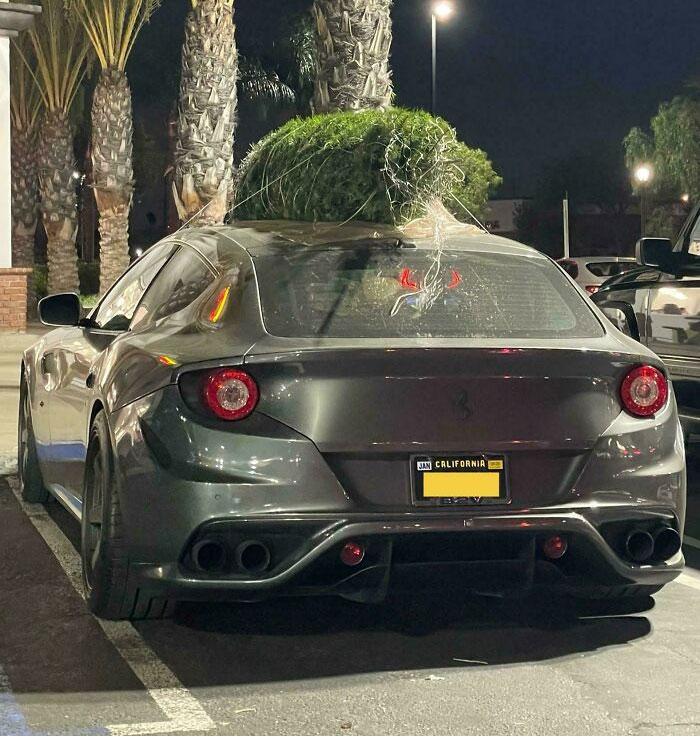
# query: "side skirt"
{"type": "Point", "coordinates": [70, 502]}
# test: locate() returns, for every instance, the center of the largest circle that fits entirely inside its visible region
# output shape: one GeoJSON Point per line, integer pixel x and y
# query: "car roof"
{"type": "Point", "coordinates": [268, 237]}
{"type": "Point", "coordinates": [599, 259]}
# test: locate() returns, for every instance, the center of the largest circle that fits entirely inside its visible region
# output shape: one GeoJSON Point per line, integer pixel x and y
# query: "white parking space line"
{"type": "Point", "coordinates": [691, 541]}
{"type": "Point", "coordinates": [181, 709]}
{"type": "Point", "coordinates": [689, 579]}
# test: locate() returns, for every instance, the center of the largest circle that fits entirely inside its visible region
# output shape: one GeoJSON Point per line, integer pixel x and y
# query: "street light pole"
{"type": "Point", "coordinates": [643, 174]}
{"type": "Point", "coordinates": [433, 98]}
{"type": "Point", "coordinates": [441, 10]}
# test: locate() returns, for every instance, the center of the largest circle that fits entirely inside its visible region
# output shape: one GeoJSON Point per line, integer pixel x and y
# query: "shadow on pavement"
{"type": "Point", "coordinates": [221, 644]}
{"type": "Point", "coordinates": [51, 644]}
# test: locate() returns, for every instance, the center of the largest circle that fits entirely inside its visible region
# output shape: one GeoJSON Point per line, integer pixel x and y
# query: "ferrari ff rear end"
{"type": "Point", "coordinates": [348, 416]}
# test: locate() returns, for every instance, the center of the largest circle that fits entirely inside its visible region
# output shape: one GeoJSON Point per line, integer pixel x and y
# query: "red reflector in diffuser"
{"type": "Point", "coordinates": [352, 554]}
{"type": "Point", "coordinates": [555, 547]}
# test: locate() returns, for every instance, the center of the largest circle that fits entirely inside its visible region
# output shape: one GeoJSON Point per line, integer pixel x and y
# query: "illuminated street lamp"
{"type": "Point", "coordinates": [442, 10]}
{"type": "Point", "coordinates": [643, 174]}
{"type": "Point", "coordinates": [685, 198]}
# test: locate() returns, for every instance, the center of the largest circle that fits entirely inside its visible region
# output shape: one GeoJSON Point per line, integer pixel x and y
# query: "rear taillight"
{"type": "Point", "coordinates": [644, 391]}
{"type": "Point", "coordinates": [591, 289]}
{"type": "Point", "coordinates": [230, 394]}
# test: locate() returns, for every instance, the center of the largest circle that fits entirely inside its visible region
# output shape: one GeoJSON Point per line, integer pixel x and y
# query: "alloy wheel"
{"type": "Point", "coordinates": [93, 525]}
{"type": "Point", "coordinates": [23, 438]}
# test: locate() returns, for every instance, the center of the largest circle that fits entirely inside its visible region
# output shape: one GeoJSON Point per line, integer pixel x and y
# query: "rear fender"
{"type": "Point", "coordinates": [640, 461]}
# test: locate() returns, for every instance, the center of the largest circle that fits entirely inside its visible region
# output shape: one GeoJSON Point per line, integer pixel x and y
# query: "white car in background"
{"type": "Point", "coordinates": [590, 272]}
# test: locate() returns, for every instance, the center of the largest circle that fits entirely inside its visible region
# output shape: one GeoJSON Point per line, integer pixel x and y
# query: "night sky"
{"type": "Point", "coordinates": [531, 83]}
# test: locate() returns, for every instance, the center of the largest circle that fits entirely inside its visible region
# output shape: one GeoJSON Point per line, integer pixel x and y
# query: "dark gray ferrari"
{"type": "Point", "coordinates": [270, 409]}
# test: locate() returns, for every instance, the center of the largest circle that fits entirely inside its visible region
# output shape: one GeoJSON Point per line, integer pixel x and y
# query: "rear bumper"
{"type": "Point", "coordinates": [182, 479]}
{"type": "Point", "coordinates": [488, 553]}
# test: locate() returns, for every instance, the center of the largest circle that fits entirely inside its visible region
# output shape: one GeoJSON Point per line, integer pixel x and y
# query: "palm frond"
{"type": "Point", "coordinates": [112, 26]}
{"type": "Point", "coordinates": [25, 96]}
{"type": "Point", "coordinates": [60, 50]}
{"type": "Point", "coordinates": [301, 49]}
{"type": "Point", "coordinates": [260, 83]}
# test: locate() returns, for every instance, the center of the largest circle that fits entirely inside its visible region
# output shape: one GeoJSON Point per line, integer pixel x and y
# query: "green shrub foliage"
{"type": "Point", "coordinates": [377, 165]}
{"type": "Point", "coordinates": [40, 281]}
{"type": "Point", "coordinates": [89, 275]}
{"type": "Point", "coordinates": [88, 272]}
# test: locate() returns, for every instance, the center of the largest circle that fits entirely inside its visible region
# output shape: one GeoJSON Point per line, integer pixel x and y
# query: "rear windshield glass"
{"type": "Point", "coordinates": [610, 268]}
{"type": "Point", "coordinates": [371, 291]}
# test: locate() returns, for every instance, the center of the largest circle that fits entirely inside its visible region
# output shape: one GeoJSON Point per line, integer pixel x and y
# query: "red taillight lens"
{"type": "Point", "coordinates": [644, 391]}
{"type": "Point", "coordinates": [230, 394]}
{"type": "Point", "coordinates": [592, 289]}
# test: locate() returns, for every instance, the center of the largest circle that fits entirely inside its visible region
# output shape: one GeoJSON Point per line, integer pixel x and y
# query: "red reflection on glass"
{"type": "Point", "coordinates": [456, 280]}
{"type": "Point", "coordinates": [406, 281]}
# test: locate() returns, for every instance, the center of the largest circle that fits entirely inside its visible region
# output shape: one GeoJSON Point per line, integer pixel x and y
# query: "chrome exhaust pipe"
{"type": "Point", "coordinates": [639, 545]}
{"type": "Point", "coordinates": [253, 557]}
{"type": "Point", "coordinates": [667, 542]}
{"type": "Point", "coordinates": [209, 555]}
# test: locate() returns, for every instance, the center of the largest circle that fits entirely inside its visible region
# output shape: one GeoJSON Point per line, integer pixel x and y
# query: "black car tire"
{"type": "Point", "coordinates": [30, 478]}
{"type": "Point", "coordinates": [104, 549]}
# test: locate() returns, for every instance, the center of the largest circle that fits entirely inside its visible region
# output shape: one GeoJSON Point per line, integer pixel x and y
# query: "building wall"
{"type": "Point", "coordinates": [500, 217]}
{"type": "Point", "coordinates": [5, 195]}
{"type": "Point", "coordinates": [13, 299]}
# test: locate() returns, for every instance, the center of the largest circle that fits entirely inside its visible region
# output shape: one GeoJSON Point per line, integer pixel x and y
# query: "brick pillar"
{"type": "Point", "coordinates": [13, 299]}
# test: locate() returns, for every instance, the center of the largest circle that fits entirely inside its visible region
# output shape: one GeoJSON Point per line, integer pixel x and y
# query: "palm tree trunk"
{"type": "Point", "coordinates": [58, 201]}
{"type": "Point", "coordinates": [353, 39]}
{"type": "Point", "coordinates": [25, 195]}
{"type": "Point", "coordinates": [207, 114]}
{"type": "Point", "coordinates": [112, 150]}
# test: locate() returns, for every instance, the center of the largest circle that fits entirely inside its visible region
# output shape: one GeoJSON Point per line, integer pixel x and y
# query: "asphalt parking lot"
{"type": "Point", "coordinates": [445, 665]}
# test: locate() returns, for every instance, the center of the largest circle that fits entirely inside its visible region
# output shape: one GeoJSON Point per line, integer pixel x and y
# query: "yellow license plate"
{"type": "Point", "coordinates": [461, 485]}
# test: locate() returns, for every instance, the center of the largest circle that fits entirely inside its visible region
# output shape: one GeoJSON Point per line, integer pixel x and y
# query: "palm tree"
{"type": "Point", "coordinates": [112, 27]}
{"type": "Point", "coordinates": [353, 39]}
{"type": "Point", "coordinates": [60, 50]}
{"type": "Point", "coordinates": [206, 113]}
{"type": "Point", "coordinates": [25, 107]}
{"type": "Point", "coordinates": [281, 70]}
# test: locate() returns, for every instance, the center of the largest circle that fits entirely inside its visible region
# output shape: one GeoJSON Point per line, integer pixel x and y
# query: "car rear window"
{"type": "Point", "coordinates": [610, 268]}
{"type": "Point", "coordinates": [372, 291]}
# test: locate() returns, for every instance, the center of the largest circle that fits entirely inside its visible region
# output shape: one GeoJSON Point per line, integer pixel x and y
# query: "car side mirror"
{"type": "Point", "coordinates": [623, 317]}
{"type": "Point", "coordinates": [655, 252]}
{"type": "Point", "coordinates": [60, 310]}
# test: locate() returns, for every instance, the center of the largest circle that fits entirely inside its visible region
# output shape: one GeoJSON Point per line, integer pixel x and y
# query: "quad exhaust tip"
{"type": "Point", "coordinates": [209, 555]}
{"type": "Point", "coordinates": [253, 557]}
{"type": "Point", "coordinates": [658, 545]}
{"type": "Point", "coordinates": [639, 545]}
{"type": "Point", "coordinates": [667, 543]}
